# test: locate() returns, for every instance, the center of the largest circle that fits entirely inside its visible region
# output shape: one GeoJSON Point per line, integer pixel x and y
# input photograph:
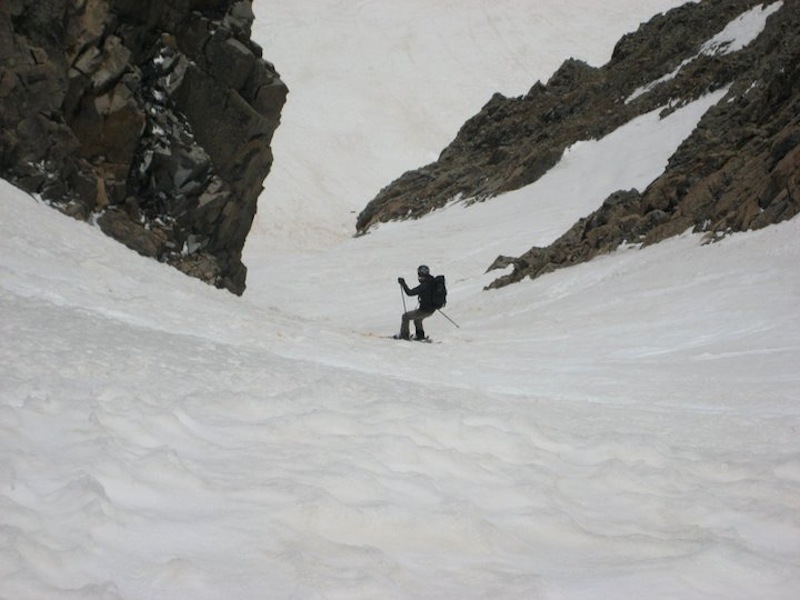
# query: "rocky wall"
{"type": "Point", "coordinates": [152, 117]}
{"type": "Point", "coordinates": [739, 170]}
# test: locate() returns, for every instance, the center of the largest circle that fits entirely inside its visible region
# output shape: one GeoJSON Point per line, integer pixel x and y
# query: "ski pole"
{"type": "Point", "coordinates": [448, 318]}
{"type": "Point", "coordinates": [403, 297]}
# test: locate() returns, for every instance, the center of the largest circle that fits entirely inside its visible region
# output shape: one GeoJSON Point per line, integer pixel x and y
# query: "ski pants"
{"type": "Point", "coordinates": [417, 316]}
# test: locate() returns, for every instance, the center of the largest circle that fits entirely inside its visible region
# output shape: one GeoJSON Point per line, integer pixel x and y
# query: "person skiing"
{"type": "Point", "coordinates": [426, 304]}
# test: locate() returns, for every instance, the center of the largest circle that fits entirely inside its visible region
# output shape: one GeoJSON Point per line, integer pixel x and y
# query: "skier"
{"type": "Point", "coordinates": [426, 307]}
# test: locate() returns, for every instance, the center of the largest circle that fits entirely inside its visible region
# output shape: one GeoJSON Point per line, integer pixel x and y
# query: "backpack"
{"type": "Point", "coordinates": [439, 292]}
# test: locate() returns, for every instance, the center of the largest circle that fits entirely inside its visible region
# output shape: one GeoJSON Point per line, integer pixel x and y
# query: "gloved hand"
{"type": "Point", "coordinates": [401, 281]}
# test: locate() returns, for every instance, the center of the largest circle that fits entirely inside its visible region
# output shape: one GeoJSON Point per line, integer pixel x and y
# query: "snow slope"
{"type": "Point", "coordinates": [627, 428]}
{"type": "Point", "coordinates": [378, 87]}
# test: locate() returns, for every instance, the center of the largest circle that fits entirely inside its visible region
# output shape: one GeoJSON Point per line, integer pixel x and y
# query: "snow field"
{"type": "Point", "coordinates": [625, 428]}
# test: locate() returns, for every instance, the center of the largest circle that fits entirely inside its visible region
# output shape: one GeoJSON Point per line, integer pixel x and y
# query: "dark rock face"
{"type": "Point", "coordinates": [155, 116]}
{"type": "Point", "coordinates": [739, 170]}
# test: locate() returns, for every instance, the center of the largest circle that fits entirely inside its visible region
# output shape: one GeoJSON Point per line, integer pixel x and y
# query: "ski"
{"type": "Point", "coordinates": [425, 340]}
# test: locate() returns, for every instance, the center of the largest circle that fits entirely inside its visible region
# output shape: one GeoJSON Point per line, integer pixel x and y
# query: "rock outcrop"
{"type": "Point", "coordinates": [739, 170]}
{"type": "Point", "coordinates": [152, 117]}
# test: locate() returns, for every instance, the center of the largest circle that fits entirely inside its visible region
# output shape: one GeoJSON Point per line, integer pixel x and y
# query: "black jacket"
{"type": "Point", "coordinates": [425, 292]}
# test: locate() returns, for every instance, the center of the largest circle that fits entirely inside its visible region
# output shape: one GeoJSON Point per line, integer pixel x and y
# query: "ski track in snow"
{"type": "Point", "coordinates": [626, 428]}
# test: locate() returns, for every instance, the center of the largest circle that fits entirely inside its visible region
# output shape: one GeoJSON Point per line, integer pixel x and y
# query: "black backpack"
{"type": "Point", "coordinates": [439, 292]}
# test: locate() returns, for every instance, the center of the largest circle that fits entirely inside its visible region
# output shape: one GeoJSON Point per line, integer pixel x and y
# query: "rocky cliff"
{"type": "Point", "coordinates": [154, 117]}
{"type": "Point", "coordinates": [740, 169]}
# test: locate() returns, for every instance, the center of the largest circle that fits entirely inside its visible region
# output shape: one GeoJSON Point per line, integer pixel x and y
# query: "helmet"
{"type": "Point", "coordinates": [423, 271]}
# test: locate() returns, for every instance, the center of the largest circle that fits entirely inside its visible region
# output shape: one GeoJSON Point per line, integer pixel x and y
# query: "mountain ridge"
{"type": "Point", "coordinates": [710, 184]}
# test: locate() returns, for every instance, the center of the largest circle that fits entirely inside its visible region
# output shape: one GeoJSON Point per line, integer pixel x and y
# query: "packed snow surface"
{"type": "Point", "coordinates": [627, 428]}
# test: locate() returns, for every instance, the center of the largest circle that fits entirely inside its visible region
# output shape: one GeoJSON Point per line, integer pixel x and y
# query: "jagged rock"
{"type": "Point", "coordinates": [512, 142]}
{"type": "Point", "coordinates": [737, 171]}
{"type": "Point", "coordinates": [162, 104]}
